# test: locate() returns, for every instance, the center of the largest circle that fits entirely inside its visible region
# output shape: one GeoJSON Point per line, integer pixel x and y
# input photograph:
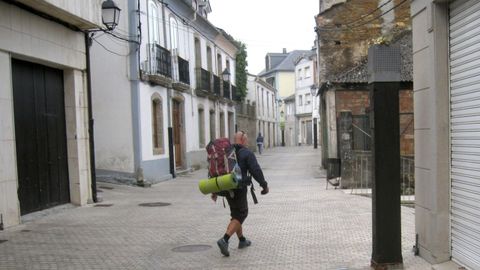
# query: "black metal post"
{"type": "Point", "coordinates": [315, 144]}
{"type": "Point", "coordinates": [384, 82]}
{"type": "Point", "coordinates": [387, 241]}
{"type": "Point", "coordinates": [283, 137]}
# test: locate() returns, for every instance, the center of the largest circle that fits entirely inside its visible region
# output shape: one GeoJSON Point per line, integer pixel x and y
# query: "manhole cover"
{"type": "Point", "coordinates": [154, 204]}
{"type": "Point", "coordinates": [110, 188]}
{"type": "Point", "coordinates": [191, 248]}
{"type": "Point", "coordinates": [103, 205]}
{"type": "Point", "coordinates": [3, 241]}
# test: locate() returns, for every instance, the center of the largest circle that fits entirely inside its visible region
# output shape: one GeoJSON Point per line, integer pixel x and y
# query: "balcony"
{"type": "Point", "coordinates": [226, 90]}
{"type": "Point", "coordinates": [216, 86]}
{"type": "Point", "coordinates": [183, 71]}
{"type": "Point", "coordinates": [204, 83]}
{"type": "Point", "coordinates": [183, 83]}
{"type": "Point", "coordinates": [158, 66]}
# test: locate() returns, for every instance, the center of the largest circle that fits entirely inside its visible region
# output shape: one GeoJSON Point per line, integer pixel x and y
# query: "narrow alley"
{"type": "Point", "coordinates": [298, 225]}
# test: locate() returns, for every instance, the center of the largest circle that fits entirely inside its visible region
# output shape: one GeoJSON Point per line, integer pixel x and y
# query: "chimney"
{"type": "Point", "coordinates": [284, 50]}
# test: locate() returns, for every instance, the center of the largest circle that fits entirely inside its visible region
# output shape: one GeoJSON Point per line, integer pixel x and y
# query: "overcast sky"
{"type": "Point", "coordinates": [266, 25]}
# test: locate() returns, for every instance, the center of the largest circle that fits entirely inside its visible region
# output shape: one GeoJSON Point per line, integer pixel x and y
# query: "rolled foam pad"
{"type": "Point", "coordinates": [217, 184]}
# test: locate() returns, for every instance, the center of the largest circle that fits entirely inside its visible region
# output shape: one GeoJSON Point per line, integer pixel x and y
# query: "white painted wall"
{"type": "Point", "coordinates": [303, 84]}
{"type": "Point", "coordinates": [147, 92]}
{"type": "Point", "coordinates": [112, 105]}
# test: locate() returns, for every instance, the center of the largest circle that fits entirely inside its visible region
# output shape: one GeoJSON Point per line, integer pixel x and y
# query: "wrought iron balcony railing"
{"type": "Point", "coordinates": [183, 70]}
{"type": "Point", "coordinates": [226, 89]}
{"type": "Point", "coordinates": [216, 85]}
{"type": "Point", "coordinates": [160, 60]}
{"type": "Point", "coordinates": [203, 79]}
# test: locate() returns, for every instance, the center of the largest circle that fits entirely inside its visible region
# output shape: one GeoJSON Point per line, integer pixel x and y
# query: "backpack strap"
{"type": "Point", "coordinates": [254, 197]}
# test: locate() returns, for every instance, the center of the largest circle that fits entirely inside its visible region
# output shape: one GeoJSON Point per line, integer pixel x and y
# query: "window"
{"type": "Point", "coordinates": [222, 125]}
{"type": "Point", "coordinates": [271, 81]}
{"type": "Point", "coordinates": [201, 127]}
{"type": "Point", "coordinates": [173, 33]}
{"type": "Point", "coordinates": [212, 126]}
{"type": "Point", "coordinates": [219, 64]}
{"type": "Point", "coordinates": [307, 99]}
{"type": "Point", "coordinates": [157, 125]}
{"type": "Point", "coordinates": [268, 104]}
{"type": "Point", "coordinates": [307, 72]}
{"type": "Point", "coordinates": [198, 54]}
{"type": "Point", "coordinates": [299, 74]}
{"type": "Point", "coordinates": [153, 34]}
{"type": "Point", "coordinates": [209, 59]}
{"type": "Point", "coordinates": [300, 100]}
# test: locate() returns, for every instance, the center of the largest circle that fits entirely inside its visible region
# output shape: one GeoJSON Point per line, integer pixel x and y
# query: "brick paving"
{"type": "Point", "coordinates": [299, 225]}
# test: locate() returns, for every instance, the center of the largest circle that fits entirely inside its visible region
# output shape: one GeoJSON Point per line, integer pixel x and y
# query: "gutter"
{"type": "Point", "coordinates": [91, 143]}
{"type": "Point", "coordinates": [135, 89]}
{"type": "Point", "coordinates": [169, 119]}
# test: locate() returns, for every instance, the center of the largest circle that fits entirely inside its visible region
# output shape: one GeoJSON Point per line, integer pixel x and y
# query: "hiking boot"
{"type": "Point", "coordinates": [244, 244]}
{"type": "Point", "coordinates": [223, 246]}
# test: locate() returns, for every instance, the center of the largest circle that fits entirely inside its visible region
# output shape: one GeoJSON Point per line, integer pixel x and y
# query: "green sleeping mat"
{"type": "Point", "coordinates": [217, 184]}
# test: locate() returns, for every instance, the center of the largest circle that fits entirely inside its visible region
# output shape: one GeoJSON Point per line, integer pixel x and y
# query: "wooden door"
{"type": "Point", "coordinates": [40, 135]}
{"type": "Point", "coordinates": [177, 129]}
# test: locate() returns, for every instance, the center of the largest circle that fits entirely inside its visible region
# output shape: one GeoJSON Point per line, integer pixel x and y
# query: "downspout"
{"type": "Point", "coordinates": [169, 120]}
{"type": "Point", "coordinates": [88, 43]}
{"type": "Point", "coordinates": [135, 90]}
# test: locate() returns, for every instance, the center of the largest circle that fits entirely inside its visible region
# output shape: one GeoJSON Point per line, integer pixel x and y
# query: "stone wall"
{"type": "Point", "coordinates": [344, 39]}
{"type": "Point", "coordinates": [247, 122]}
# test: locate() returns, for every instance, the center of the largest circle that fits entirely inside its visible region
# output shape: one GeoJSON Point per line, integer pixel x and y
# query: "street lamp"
{"type": "Point", "coordinates": [226, 75]}
{"type": "Point", "coordinates": [314, 91]}
{"type": "Point", "coordinates": [110, 18]}
{"type": "Point", "coordinates": [110, 14]}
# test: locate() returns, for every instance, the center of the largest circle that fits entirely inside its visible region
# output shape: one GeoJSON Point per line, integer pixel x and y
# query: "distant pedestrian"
{"type": "Point", "coordinates": [238, 202]}
{"type": "Point", "coordinates": [260, 143]}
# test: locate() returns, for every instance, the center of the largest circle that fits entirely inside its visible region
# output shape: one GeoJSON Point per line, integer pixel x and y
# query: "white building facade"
{"type": "Point", "coordinates": [173, 98]}
{"type": "Point", "coordinates": [44, 141]}
{"type": "Point", "coordinates": [267, 109]}
{"type": "Point", "coordinates": [306, 110]}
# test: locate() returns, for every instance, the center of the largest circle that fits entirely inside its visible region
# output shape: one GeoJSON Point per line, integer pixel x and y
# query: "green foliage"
{"type": "Point", "coordinates": [241, 70]}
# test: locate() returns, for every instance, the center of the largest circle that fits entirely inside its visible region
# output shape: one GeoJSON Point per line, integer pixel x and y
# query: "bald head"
{"type": "Point", "coordinates": [241, 138]}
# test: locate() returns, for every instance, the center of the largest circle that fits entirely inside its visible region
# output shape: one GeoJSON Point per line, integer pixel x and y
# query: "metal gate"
{"type": "Point", "coordinates": [40, 136]}
{"type": "Point", "coordinates": [465, 131]}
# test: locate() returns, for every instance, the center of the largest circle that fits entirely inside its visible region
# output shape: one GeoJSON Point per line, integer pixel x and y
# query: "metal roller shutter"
{"type": "Point", "coordinates": [465, 131]}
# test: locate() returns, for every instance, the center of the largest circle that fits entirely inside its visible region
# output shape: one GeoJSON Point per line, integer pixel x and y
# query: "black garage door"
{"type": "Point", "coordinates": [40, 136]}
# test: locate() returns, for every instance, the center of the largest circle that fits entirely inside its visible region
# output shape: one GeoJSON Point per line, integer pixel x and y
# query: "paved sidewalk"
{"type": "Point", "coordinates": [299, 225]}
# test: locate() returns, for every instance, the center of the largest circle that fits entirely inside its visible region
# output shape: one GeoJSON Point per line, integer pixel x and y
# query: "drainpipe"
{"type": "Point", "coordinates": [135, 90]}
{"type": "Point", "coordinates": [170, 129]}
{"type": "Point", "coordinates": [88, 43]}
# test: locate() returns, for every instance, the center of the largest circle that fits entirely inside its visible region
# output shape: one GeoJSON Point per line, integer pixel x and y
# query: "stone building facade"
{"type": "Point", "coordinates": [446, 101]}
{"type": "Point", "coordinates": [44, 133]}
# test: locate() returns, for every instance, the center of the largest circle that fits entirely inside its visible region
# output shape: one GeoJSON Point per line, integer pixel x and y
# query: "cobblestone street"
{"type": "Point", "coordinates": [299, 225]}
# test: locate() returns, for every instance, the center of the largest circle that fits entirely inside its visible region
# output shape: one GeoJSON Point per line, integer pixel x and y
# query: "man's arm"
{"type": "Point", "coordinates": [256, 171]}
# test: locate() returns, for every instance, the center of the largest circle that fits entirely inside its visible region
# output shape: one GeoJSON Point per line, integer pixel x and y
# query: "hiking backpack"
{"type": "Point", "coordinates": [221, 157]}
